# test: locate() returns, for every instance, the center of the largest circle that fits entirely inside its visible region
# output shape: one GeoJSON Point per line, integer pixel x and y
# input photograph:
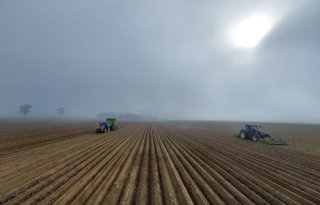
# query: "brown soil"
{"type": "Point", "coordinates": [156, 163]}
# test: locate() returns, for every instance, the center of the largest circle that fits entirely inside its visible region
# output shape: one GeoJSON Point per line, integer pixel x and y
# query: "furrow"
{"type": "Point", "coordinates": [71, 168]}
{"type": "Point", "coordinates": [183, 196]}
{"type": "Point", "coordinates": [60, 187]}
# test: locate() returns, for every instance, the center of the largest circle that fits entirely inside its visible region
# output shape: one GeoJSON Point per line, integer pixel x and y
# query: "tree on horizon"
{"type": "Point", "coordinates": [61, 111]}
{"type": "Point", "coordinates": [25, 109]}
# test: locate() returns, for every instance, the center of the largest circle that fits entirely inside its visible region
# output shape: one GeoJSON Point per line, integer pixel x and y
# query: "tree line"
{"type": "Point", "coordinates": [26, 108]}
{"type": "Point", "coordinates": [124, 116]}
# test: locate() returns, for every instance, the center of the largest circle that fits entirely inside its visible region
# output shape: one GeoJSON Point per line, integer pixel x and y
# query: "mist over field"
{"type": "Point", "coordinates": [164, 59]}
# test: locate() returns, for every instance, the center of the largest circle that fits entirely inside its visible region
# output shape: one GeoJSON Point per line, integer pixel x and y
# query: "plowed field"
{"type": "Point", "coordinates": [150, 163]}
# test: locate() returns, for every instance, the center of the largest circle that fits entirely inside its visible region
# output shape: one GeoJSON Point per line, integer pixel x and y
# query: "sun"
{"type": "Point", "coordinates": [250, 32]}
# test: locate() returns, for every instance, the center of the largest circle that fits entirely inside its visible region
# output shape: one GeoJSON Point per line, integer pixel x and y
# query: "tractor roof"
{"type": "Point", "coordinates": [111, 119]}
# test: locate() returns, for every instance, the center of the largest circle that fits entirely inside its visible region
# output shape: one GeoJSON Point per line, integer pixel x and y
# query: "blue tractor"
{"type": "Point", "coordinates": [254, 132]}
{"type": "Point", "coordinates": [103, 127]}
{"type": "Point", "coordinates": [107, 126]}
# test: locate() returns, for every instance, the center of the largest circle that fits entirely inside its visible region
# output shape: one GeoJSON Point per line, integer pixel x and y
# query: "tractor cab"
{"type": "Point", "coordinates": [252, 128]}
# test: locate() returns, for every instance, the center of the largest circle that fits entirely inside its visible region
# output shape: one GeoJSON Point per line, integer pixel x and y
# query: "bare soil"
{"type": "Point", "coordinates": [156, 163]}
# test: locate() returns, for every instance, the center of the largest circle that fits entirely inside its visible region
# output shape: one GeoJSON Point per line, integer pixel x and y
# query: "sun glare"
{"type": "Point", "coordinates": [249, 33]}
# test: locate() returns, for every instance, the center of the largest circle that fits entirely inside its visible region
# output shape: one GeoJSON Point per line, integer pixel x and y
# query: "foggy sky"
{"type": "Point", "coordinates": [171, 59]}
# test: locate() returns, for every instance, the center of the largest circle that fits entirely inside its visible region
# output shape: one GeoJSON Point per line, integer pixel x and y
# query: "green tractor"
{"type": "Point", "coordinates": [107, 126]}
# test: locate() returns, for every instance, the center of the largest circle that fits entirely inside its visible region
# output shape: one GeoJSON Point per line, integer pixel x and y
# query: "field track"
{"type": "Point", "coordinates": [152, 163]}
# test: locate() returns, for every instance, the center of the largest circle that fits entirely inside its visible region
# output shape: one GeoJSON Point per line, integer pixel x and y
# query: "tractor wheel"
{"type": "Point", "coordinates": [256, 138]}
{"type": "Point", "coordinates": [243, 134]}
